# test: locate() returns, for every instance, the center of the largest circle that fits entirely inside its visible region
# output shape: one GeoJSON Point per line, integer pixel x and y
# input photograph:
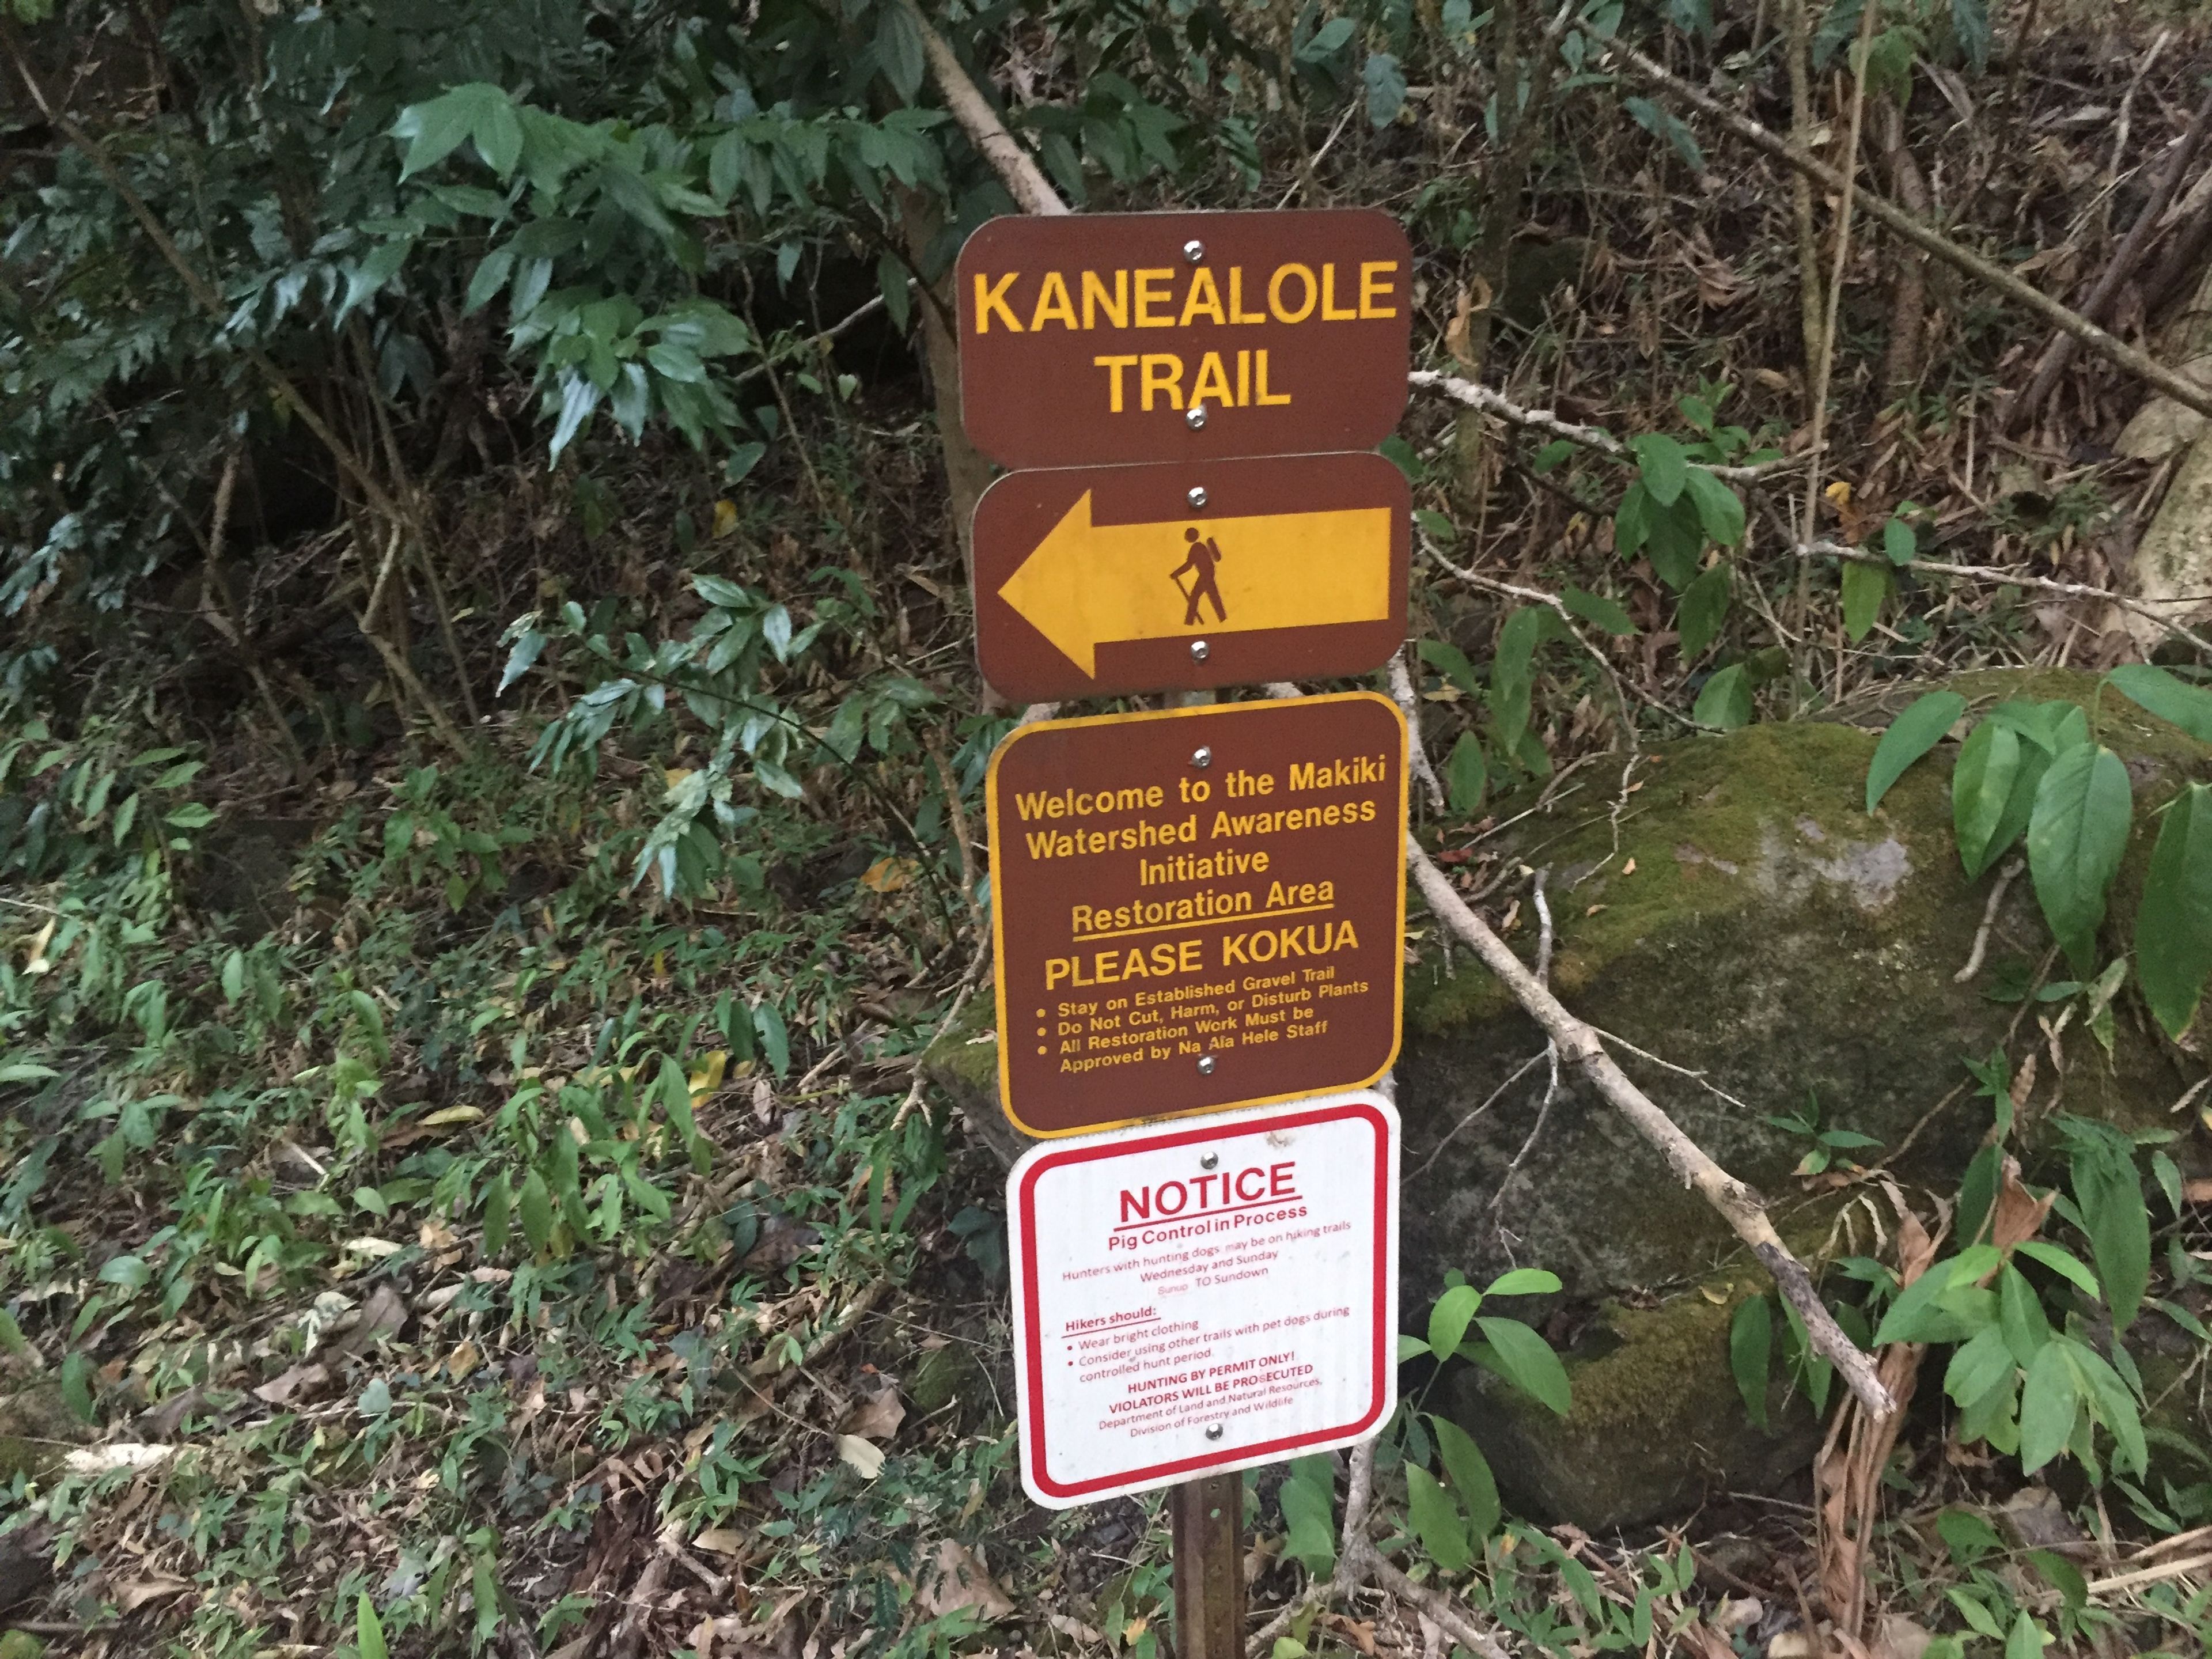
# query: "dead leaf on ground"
{"type": "Point", "coordinates": [2018, 1214]}
{"type": "Point", "coordinates": [782, 1241]}
{"type": "Point", "coordinates": [957, 1579]}
{"type": "Point", "coordinates": [381, 1315]}
{"type": "Point", "coordinates": [862, 1456]}
{"type": "Point", "coordinates": [877, 1413]}
{"type": "Point", "coordinates": [129, 1597]}
{"type": "Point", "coordinates": [719, 1541]}
{"type": "Point", "coordinates": [301, 1382]}
{"type": "Point", "coordinates": [1899, 1638]}
{"type": "Point", "coordinates": [889, 875]}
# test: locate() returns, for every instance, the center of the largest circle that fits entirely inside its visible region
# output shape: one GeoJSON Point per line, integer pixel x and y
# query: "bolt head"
{"type": "Point", "coordinates": [1195, 416]}
{"type": "Point", "coordinates": [1206, 1065]}
{"type": "Point", "coordinates": [1213, 1432]}
{"type": "Point", "coordinates": [1193, 250]}
{"type": "Point", "coordinates": [1210, 1161]}
{"type": "Point", "coordinates": [1200, 650]}
{"type": "Point", "coordinates": [1197, 497]}
{"type": "Point", "coordinates": [1202, 756]}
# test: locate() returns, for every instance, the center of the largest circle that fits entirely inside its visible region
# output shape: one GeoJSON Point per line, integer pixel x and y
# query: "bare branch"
{"type": "Point", "coordinates": [1031, 191]}
{"type": "Point", "coordinates": [1479, 397]}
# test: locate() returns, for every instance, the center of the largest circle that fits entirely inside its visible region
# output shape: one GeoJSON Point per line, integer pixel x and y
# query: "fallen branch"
{"type": "Point", "coordinates": [1031, 191]}
{"type": "Point", "coordinates": [2190, 394]}
{"type": "Point", "coordinates": [1402, 694]}
{"type": "Point", "coordinates": [1984, 573]}
{"type": "Point", "coordinates": [1736, 1203]}
{"type": "Point", "coordinates": [1478, 396]}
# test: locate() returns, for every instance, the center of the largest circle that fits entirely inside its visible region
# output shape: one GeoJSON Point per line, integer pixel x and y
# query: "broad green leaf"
{"type": "Point", "coordinates": [774, 1043]}
{"type": "Point", "coordinates": [1662, 464]}
{"type": "Point", "coordinates": [1899, 544]}
{"type": "Point", "coordinates": [499, 1208]}
{"type": "Point", "coordinates": [1449, 1318]}
{"type": "Point", "coordinates": [1471, 1478]}
{"type": "Point", "coordinates": [1449, 660]}
{"type": "Point", "coordinates": [1676, 538]}
{"type": "Point", "coordinates": [2111, 1401]}
{"type": "Point", "coordinates": [498, 134]}
{"type": "Point", "coordinates": [436, 129]}
{"type": "Point", "coordinates": [1410, 1347]}
{"type": "Point", "coordinates": [1750, 1349]}
{"type": "Point", "coordinates": [1725, 703]}
{"type": "Point", "coordinates": [2026, 1641]}
{"type": "Point", "coordinates": [368, 1630]}
{"type": "Point", "coordinates": [1978, 1366]}
{"type": "Point", "coordinates": [1385, 81]}
{"type": "Point", "coordinates": [76, 1386]}
{"type": "Point", "coordinates": [1526, 1360]}
{"type": "Point", "coordinates": [130, 1272]}
{"type": "Point", "coordinates": [2062, 1576]}
{"type": "Point", "coordinates": [536, 1206]}
{"type": "Point", "coordinates": [1307, 1499]}
{"type": "Point", "coordinates": [2021, 1323]}
{"type": "Point", "coordinates": [2109, 1195]}
{"type": "Point", "coordinates": [1865, 587]}
{"type": "Point", "coordinates": [2048, 1404]}
{"type": "Point", "coordinates": [234, 976]}
{"type": "Point", "coordinates": [1436, 1520]}
{"type": "Point", "coordinates": [1703, 608]}
{"type": "Point", "coordinates": [2062, 1262]}
{"type": "Point", "coordinates": [1720, 509]}
{"type": "Point", "coordinates": [1523, 1281]}
{"type": "Point", "coordinates": [2167, 695]}
{"type": "Point", "coordinates": [2075, 836]}
{"type": "Point", "coordinates": [899, 49]}
{"type": "Point", "coordinates": [1910, 735]}
{"type": "Point", "coordinates": [1598, 611]}
{"type": "Point", "coordinates": [26, 1071]}
{"type": "Point", "coordinates": [2173, 926]}
{"type": "Point", "coordinates": [1981, 785]}
{"type": "Point", "coordinates": [1466, 773]}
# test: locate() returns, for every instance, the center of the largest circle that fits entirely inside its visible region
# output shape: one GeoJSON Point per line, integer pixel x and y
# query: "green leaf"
{"type": "Point", "coordinates": [1522, 1281]}
{"type": "Point", "coordinates": [1865, 587]}
{"type": "Point", "coordinates": [1469, 1472]}
{"type": "Point", "coordinates": [1436, 1520]}
{"type": "Point", "coordinates": [2048, 1405]}
{"type": "Point", "coordinates": [2063, 1263]}
{"type": "Point", "coordinates": [1978, 1366]}
{"type": "Point", "coordinates": [498, 134]}
{"type": "Point", "coordinates": [1910, 735]}
{"type": "Point", "coordinates": [1981, 787]}
{"type": "Point", "coordinates": [1703, 606]}
{"type": "Point", "coordinates": [1598, 611]}
{"type": "Point", "coordinates": [2026, 1641]}
{"type": "Point", "coordinates": [192, 815]}
{"type": "Point", "coordinates": [130, 1272]}
{"type": "Point", "coordinates": [1526, 1360]}
{"type": "Point", "coordinates": [499, 1206]}
{"type": "Point", "coordinates": [368, 1630]}
{"type": "Point", "coordinates": [1751, 1350]}
{"type": "Point", "coordinates": [1466, 773]}
{"type": "Point", "coordinates": [1661, 123]}
{"type": "Point", "coordinates": [436, 128]}
{"type": "Point", "coordinates": [490, 276]}
{"type": "Point", "coordinates": [1726, 701]}
{"type": "Point", "coordinates": [774, 1042]}
{"type": "Point", "coordinates": [26, 1071]}
{"type": "Point", "coordinates": [76, 1386]}
{"type": "Point", "coordinates": [1663, 466]}
{"type": "Point", "coordinates": [899, 49]}
{"type": "Point", "coordinates": [1385, 81]}
{"type": "Point", "coordinates": [1410, 1347]}
{"type": "Point", "coordinates": [2167, 696]}
{"type": "Point", "coordinates": [2021, 1323]}
{"type": "Point", "coordinates": [1308, 1500]}
{"type": "Point", "coordinates": [234, 976]}
{"type": "Point", "coordinates": [2110, 1197]}
{"type": "Point", "coordinates": [2173, 924]}
{"type": "Point", "coordinates": [1720, 509]}
{"type": "Point", "coordinates": [1449, 660]}
{"type": "Point", "coordinates": [2075, 836]}
{"type": "Point", "coordinates": [1449, 1318]}
{"type": "Point", "coordinates": [535, 1205]}
{"type": "Point", "coordinates": [2062, 1576]}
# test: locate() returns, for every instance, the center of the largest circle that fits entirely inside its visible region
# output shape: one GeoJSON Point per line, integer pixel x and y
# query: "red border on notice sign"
{"type": "Point", "coordinates": [1381, 1365]}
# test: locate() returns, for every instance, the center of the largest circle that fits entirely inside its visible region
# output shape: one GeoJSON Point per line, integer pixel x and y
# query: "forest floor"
{"type": "Point", "coordinates": [658, 1306]}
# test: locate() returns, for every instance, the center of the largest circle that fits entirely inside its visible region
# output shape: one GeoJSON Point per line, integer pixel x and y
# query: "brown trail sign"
{"type": "Point", "coordinates": [1098, 582]}
{"type": "Point", "coordinates": [1160, 336]}
{"type": "Point", "coordinates": [1197, 909]}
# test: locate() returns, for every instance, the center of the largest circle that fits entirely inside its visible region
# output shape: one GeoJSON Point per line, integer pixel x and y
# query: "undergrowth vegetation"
{"type": "Point", "coordinates": [491, 787]}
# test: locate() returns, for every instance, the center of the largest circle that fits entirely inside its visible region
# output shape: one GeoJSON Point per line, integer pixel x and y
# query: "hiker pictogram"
{"type": "Point", "coordinates": [1203, 556]}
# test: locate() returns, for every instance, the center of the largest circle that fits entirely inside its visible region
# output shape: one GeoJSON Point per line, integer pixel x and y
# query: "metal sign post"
{"type": "Point", "coordinates": [1202, 908]}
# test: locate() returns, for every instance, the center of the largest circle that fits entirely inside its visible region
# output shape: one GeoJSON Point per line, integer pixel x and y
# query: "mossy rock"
{"type": "Point", "coordinates": [37, 1430]}
{"type": "Point", "coordinates": [1742, 916]}
{"type": "Point", "coordinates": [1657, 1423]}
{"type": "Point", "coordinates": [1757, 926]}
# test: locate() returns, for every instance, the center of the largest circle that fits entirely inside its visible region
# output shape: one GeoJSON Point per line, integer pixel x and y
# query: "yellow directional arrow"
{"type": "Point", "coordinates": [1086, 584]}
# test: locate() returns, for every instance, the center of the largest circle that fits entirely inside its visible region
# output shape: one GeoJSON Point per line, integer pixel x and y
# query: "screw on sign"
{"type": "Point", "coordinates": [1176, 337]}
{"type": "Point", "coordinates": [1197, 909]}
{"type": "Point", "coordinates": [1099, 582]}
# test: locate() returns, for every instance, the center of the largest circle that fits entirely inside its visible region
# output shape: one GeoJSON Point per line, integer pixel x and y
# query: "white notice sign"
{"type": "Point", "coordinates": [1204, 1298]}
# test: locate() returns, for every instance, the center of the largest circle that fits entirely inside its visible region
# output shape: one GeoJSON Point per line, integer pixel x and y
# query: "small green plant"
{"type": "Point", "coordinates": [2035, 772]}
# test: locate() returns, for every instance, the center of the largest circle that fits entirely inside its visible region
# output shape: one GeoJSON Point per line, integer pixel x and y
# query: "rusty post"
{"type": "Point", "coordinates": [1207, 1516]}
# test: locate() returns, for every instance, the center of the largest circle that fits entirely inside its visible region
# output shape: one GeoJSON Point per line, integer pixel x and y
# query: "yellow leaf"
{"type": "Point", "coordinates": [463, 1360]}
{"type": "Point", "coordinates": [708, 1078]}
{"type": "Point", "coordinates": [888, 875]}
{"type": "Point", "coordinates": [36, 962]}
{"type": "Point", "coordinates": [1629, 868]}
{"type": "Point", "coordinates": [863, 1458]}
{"type": "Point", "coordinates": [1838, 492]}
{"type": "Point", "coordinates": [446, 1114]}
{"type": "Point", "coordinates": [725, 517]}
{"type": "Point", "coordinates": [674, 776]}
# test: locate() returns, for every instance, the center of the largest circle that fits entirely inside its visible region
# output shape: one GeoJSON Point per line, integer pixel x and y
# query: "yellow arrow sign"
{"type": "Point", "coordinates": [1086, 584]}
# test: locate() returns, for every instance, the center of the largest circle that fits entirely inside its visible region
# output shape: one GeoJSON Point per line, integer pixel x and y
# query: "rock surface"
{"type": "Point", "coordinates": [1742, 916]}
